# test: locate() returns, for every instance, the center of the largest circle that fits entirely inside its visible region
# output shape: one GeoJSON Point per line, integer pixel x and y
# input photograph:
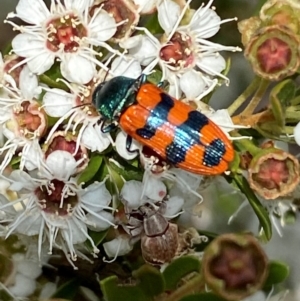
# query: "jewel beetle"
{"type": "Point", "coordinates": [182, 136]}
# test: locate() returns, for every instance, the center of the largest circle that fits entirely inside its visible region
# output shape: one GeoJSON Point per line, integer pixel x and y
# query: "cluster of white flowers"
{"type": "Point", "coordinates": [50, 132]}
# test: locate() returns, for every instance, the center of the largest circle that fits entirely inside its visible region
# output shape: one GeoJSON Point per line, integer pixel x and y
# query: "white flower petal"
{"type": "Point", "coordinates": [174, 205]}
{"type": "Point", "coordinates": [212, 64]}
{"type": "Point", "coordinates": [28, 268]}
{"type": "Point", "coordinates": [94, 139]}
{"type": "Point", "coordinates": [222, 118]}
{"type": "Point", "coordinates": [145, 52]}
{"type": "Point", "coordinates": [77, 5]}
{"type": "Point", "coordinates": [58, 102]}
{"type": "Point", "coordinates": [23, 286]}
{"type": "Point", "coordinates": [32, 12]}
{"type": "Point", "coordinates": [146, 6]}
{"type": "Point", "coordinates": [61, 164]}
{"type": "Point", "coordinates": [97, 224]}
{"type": "Point", "coordinates": [174, 89]}
{"type": "Point", "coordinates": [126, 67]}
{"type": "Point", "coordinates": [78, 231]}
{"type": "Point", "coordinates": [77, 68]}
{"type": "Point", "coordinates": [21, 180]}
{"type": "Point", "coordinates": [41, 62]}
{"type": "Point", "coordinates": [207, 22]}
{"type": "Point", "coordinates": [26, 45]}
{"type": "Point", "coordinates": [48, 290]}
{"type": "Point", "coordinates": [297, 133]}
{"type": "Point", "coordinates": [95, 196]}
{"type": "Point", "coordinates": [187, 179]}
{"type": "Point", "coordinates": [117, 247]}
{"type": "Point", "coordinates": [32, 156]}
{"type": "Point", "coordinates": [120, 144]}
{"type": "Point", "coordinates": [192, 84]}
{"type": "Point", "coordinates": [103, 27]}
{"type": "Point", "coordinates": [168, 14]}
{"type": "Point", "coordinates": [132, 42]}
{"type": "Point", "coordinates": [131, 193]}
{"type": "Point", "coordinates": [32, 224]}
{"type": "Point", "coordinates": [28, 83]}
{"type": "Point", "coordinates": [155, 189]}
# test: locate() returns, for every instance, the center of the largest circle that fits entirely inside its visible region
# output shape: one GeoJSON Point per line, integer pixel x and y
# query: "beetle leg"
{"type": "Point", "coordinates": [106, 128]}
{"type": "Point", "coordinates": [128, 145]}
{"type": "Point", "coordinates": [163, 85]}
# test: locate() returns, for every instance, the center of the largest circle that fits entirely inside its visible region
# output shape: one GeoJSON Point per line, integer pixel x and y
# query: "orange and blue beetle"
{"type": "Point", "coordinates": [182, 136]}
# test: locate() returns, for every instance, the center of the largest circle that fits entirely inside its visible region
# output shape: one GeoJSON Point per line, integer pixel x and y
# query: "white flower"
{"type": "Point", "coordinates": [22, 121]}
{"type": "Point", "coordinates": [146, 6]}
{"type": "Point", "coordinates": [27, 271]}
{"type": "Point", "coordinates": [126, 66]}
{"type": "Point", "coordinates": [65, 32]}
{"type": "Point", "coordinates": [188, 61]}
{"type": "Point", "coordinates": [117, 247]}
{"type": "Point", "coordinates": [134, 193]}
{"type": "Point", "coordinates": [57, 209]}
{"type": "Point", "coordinates": [71, 106]}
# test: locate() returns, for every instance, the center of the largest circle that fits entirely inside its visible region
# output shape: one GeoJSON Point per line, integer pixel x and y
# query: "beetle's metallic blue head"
{"type": "Point", "coordinates": [112, 96]}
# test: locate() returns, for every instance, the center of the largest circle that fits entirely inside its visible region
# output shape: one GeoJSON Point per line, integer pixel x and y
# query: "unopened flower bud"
{"type": "Point", "coordinates": [273, 52]}
{"type": "Point", "coordinates": [68, 142]}
{"type": "Point", "coordinates": [273, 173]}
{"type": "Point", "coordinates": [281, 12]}
{"type": "Point", "coordinates": [248, 28]}
{"type": "Point", "coordinates": [234, 266]}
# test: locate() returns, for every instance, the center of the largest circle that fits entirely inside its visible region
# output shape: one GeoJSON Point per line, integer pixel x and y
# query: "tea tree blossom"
{"type": "Point", "coordinates": [65, 32]}
{"type": "Point", "coordinates": [188, 61]}
{"type": "Point", "coordinates": [59, 208]}
{"type": "Point", "coordinates": [83, 120]}
{"type": "Point", "coordinates": [22, 119]}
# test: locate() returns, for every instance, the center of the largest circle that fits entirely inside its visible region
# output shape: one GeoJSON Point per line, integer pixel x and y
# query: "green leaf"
{"type": "Point", "coordinates": [295, 101]}
{"type": "Point", "coordinates": [202, 297]}
{"type": "Point", "coordinates": [284, 92]}
{"type": "Point", "coordinates": [155, 77]}
{"type": "Point", "coordinates": [178, 269]}
{"type": "Point", "coordinates": [289, 217]}
{"type": "Point", "coordinates": [97, 238]}
{"type": "Point", "coordinates": [267, 134]}
{"type": "Point", "coordinates": [151, 280]}
{"type": "Point", "coordinates": [114, 292]}
{"type": "Point", "coordinates": [68, 290]}
{"type": "Point", "coordinates": [92, 168]}
{"type": "Point", "coordinates": [278, 272]}
{"type": "Point", "coordinates": [51, 77]}
{"type": "Point", "coordinates": [280, 98]}
{"type": "Point", "coordinates": [152, 24]}
{"type": "Point", "coordinates": [271, 128]}
{"type": "Point", "coordinates": [128, 172]}
{"type": "Point", "coordinates": [256, 205]}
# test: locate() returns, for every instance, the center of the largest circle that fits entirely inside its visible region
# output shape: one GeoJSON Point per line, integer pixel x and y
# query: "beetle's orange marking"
{"type": "Point", "coordinates": [135, 117]}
